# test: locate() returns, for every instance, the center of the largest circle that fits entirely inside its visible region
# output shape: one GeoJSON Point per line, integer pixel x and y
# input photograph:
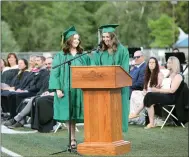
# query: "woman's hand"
{"type": "Point", "coordinates": [60, 94]}
{"type": "Point", "coordinates": [12, 89]}
{"type": "Point", "coordinates": [51, 94]}
{"type": "Point", "coordinates": [45, 93]}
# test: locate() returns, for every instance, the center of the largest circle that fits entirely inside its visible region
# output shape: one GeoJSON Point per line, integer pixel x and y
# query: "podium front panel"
{"type": "Point", "coordinates": [100, 77]}
{"type": "Point", "coordinates": [93, 77]}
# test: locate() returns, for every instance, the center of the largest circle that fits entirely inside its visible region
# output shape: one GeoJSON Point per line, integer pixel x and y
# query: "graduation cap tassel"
{"type": "Point", "coordinates": [62, 41]}
{"type": "Point", "coordinates": [99, 36]}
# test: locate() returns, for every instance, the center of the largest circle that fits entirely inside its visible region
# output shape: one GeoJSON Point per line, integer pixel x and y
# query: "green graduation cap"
{"type": "Point", "coordinates": [108, 28]}
{"type": "Point", "coordinates": [69, 32]}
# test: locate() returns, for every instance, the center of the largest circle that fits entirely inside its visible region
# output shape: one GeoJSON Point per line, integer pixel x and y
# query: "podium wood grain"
{"type": "Point", "coordinates": [102, 109]}
{"type": "Point", "coordinates": [100, 77]}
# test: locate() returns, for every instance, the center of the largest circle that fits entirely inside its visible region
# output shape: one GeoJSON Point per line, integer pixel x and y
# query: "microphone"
{"type": "Point", "coordinates": [98, 47]}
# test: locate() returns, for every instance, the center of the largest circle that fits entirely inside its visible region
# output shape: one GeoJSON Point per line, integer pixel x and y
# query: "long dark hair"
{"type": "Point", "coordinates": [21, 72]}
{"type": "Point", "coordinates": [4, 61]}
{"type": "Point", "coordinates": [114, 42]}
{"type": "Point", "coordinates": [68, 43]}
{"type": "Point", "coordinates": [9, 55]}
{"type": "Point", "coordinates": [152, 76]}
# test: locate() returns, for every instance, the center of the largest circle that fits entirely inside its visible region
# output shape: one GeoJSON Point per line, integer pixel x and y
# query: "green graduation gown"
{"type": "Point", "coordinates": [59, 80]}
{"type": "Point", "coordinates": [120, 57]}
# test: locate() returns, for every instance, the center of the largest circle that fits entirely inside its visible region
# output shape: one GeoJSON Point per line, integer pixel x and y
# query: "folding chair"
{"type": "Point", "coordinates": [172, 108]}
{"type": "Point", "coordinates": [170, 114]}
{"type": "Point", "coordinates": [58, 125]}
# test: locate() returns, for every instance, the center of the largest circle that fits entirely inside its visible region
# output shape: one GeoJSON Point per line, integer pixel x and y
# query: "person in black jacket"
{"type": "Point", "coordinates": [30, 86]}
{"type": "Point", "coordinates": [182, 103]}
{"type": "Point", "coordinates": [17, 80]}
{"type": "Point", "coordinates": [25, 106]}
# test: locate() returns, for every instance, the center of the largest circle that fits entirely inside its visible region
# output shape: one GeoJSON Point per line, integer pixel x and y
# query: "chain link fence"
{"type": "Point", "coordinates": [26, 55]}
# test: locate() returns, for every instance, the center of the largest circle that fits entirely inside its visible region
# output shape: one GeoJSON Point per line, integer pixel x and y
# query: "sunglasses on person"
{"type": "Point", "coordinates": [136, 57]}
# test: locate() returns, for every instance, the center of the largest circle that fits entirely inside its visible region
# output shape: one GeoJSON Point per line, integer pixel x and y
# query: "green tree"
{"type": "Point", "coordinates": [20, 16]}
{"type": "Point", "coordinates": [132, 18]}
{"type": "Point", "coordinates": [162, 31]}
{"type": "Point", "coordinates": [8, 42]}
{"type": "Point", "coordinates": [37, 26]}
{"type": "Point", "coordinates": [179, 10]}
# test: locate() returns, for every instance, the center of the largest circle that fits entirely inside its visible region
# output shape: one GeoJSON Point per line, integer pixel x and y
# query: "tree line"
{"type": "Point", "coordinates": [37, 26]}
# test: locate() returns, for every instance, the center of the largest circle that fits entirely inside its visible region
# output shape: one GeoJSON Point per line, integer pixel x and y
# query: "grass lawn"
{"type": "Point", "coordinates": [170, 142]}
{"type": "Point", "coordinates": [4, 155]}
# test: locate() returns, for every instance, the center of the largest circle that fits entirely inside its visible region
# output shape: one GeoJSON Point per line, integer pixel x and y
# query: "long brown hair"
{"type": "Point", "coordinates": [68, 43]}
{"type": "Point", "coordinates": [4, 61]}
{"type": "Point", "coordinates": [9, 55]}
{"type": "Point", "coordinates": [152, 76]}
{"type": "Point", "coordinates": [114, 40]}
{"type": "Point", "coordinates": [21, 72]}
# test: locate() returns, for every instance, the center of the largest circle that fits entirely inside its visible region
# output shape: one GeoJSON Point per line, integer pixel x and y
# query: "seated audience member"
{"type": "Point", "coordinates": [131, 65]}
{"type": "Point", "coordinates": [3, 66]}
{"type": "Point", "coordinates": [48, 63]}
{"type": "Point", "coordinates": [167, 96]}
{"type": "Point", "coordinates": [137, 73]}
{"type": "Point", "coordinates": [40, 120]}
{"type": "Point", "coordinates": [153, 78]}
{"type": "Point", "coordinates": [22, 73]}
{"type": "Point", "coordinates": [30, 86]}
{"type": "Point", "coordinates": [8, 76]}
{"type": "Point", "coordinates": [32, 63]}
{"type": "Point", "coordinates": [12, 61]}
{"type": "Point", "coordinates": [16, 81]}
{"type": "Point", "coordinates": [19, 119]}
{"type": "Point", "coordinates": [176, 50]}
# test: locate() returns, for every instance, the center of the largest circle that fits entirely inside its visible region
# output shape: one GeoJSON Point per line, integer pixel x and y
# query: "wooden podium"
{"type": "Point", "coordinates": [102, 108]}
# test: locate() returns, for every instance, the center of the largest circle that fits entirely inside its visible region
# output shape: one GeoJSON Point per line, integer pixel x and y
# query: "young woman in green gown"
{"type": "Point", "coordinates": [59, 81]}
{"type": "Point", "coordinates": [112, 52]}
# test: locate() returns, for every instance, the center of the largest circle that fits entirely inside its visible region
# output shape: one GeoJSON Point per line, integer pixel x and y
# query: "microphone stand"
{"type": "Point", "coordinates": [69, 147]}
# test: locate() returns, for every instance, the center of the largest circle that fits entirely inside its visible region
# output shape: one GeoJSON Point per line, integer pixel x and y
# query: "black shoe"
{"type": "Point", "coordinates": [16, 125]}
{"type": "Point", "coordinates": [5, 116]}
{"type": "Point", "coordinates": [9, 122]}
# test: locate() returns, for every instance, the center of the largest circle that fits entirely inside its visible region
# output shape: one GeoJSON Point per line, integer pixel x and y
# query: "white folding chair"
{"type": "Point", "coordinates": [170, 114]}
{"type": "Point", "coordinates": [58, 125]}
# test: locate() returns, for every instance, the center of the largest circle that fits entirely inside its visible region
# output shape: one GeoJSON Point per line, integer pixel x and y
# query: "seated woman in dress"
{"type": "Point", "coordinates": [164, 96]}
{"type": "Point", "coordinates": [153, 78]}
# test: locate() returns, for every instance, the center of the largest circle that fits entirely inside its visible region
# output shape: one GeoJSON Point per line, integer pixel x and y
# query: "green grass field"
{"type": "Point", "coordinates": [170, 141]}
{"type": "Point", "coordinates": [4, 155]}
